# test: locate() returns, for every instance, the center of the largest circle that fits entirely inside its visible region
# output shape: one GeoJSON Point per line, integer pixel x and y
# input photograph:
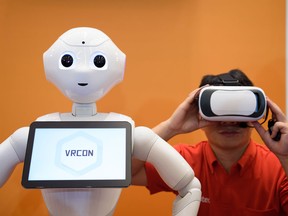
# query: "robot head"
{"type": "Point", "coordinates": [84, 64]}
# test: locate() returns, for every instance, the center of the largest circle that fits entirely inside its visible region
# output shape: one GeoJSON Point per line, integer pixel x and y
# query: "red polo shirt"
{"type": "Point", "coordinates": [256, 185]}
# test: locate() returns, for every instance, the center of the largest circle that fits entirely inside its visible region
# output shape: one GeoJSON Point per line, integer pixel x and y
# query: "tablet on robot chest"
{"type": "Point", "coordinates": [78, 155]}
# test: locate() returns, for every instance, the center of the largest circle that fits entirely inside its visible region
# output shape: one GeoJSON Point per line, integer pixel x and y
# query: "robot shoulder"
{"type": "Point", "coordinates": [50, 117]}
{"type": "Point", "coordinates": [119, 117]}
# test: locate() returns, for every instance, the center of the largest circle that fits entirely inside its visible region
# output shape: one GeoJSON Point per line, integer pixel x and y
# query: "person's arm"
{"type": "Point", "coordinates": [279, 148]}
{"type": "Point", "coordinates": [185, 119]}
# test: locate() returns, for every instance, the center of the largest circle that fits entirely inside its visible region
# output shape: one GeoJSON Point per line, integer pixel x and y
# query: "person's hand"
{"type": "Point", "coordinates": [279, 148]}
{"type": "Point", "coordinates": [185, 118]}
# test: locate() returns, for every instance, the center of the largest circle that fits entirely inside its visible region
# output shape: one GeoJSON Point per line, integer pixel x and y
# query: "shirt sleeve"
{"type": "Point", "coordinates": [284, 195]}
{"type": "Point", "coordinates": [155, 183]}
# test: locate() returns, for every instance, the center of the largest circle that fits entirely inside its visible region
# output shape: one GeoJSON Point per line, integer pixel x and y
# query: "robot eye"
{"type": "Point", "coordinates": [99, 61]}
{"type": "Point", "coordinates": [67, 60]}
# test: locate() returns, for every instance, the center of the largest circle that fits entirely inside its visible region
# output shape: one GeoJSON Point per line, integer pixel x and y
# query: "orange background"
{"type": "Point", "coordinates": [169, 45]}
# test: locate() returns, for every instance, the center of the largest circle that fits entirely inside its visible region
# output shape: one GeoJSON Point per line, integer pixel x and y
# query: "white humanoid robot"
{"type": "Point", "coordinates": [85, 64]}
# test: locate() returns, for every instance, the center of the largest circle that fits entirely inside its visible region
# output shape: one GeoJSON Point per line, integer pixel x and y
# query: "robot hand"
{"type": "Point", "coordinates": [180, 176]}
{"type": "Point", "coordinates": [12, 152]}
{"type": "Point", "coordinates": [189, 203]}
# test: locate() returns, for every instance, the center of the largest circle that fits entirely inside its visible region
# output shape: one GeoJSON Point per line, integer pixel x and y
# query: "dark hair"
{"type": "Point", "coordinates": [231, 78]}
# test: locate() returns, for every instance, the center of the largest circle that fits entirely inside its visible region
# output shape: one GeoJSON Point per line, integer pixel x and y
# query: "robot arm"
{"type": "Point", "coordinates": [180, 176]}
{"type": "Point", "coordinates": [12, 152]}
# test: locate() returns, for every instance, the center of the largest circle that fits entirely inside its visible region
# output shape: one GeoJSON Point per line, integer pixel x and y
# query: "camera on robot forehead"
{"type": "Point", "coordinates": [232, 103]}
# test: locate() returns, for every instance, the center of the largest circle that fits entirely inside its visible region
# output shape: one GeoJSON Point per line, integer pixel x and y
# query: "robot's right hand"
{"type": "Point", "coordinates": [189, 203]}
{"type": "Point", "coordinates": [12, 152]}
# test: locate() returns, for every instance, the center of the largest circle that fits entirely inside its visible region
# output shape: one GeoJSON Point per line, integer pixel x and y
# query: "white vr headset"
{"type": "Point", "coordinates": [232, 103]}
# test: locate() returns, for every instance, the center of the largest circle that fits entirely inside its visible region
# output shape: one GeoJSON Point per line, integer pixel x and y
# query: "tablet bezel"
{"type": "Point", "coordinates": [26, 183]}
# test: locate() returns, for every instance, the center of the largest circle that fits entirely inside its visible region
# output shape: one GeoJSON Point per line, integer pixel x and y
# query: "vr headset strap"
{"type": "Point", "coordinates": [228, 80]}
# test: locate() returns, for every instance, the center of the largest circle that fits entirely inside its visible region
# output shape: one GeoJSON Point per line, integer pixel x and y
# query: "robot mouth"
{"type": "Point", "coordinates": [82, 84]}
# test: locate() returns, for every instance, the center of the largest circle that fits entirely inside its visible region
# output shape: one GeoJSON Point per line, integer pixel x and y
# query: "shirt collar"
{"type": "Point", "coordinates": [211, 158]}
{"type": "Point", "coordinates": [247, 157]}
{"type": "Point", "coordinates": [244, 161]}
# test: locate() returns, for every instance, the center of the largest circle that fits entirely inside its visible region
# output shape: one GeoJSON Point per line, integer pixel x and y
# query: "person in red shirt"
{"type": "Point", "coordinates": [238, 176]}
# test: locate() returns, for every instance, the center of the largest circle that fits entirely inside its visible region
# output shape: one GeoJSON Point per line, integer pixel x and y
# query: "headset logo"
{"type": "Point", "coordinates": [79, 153]}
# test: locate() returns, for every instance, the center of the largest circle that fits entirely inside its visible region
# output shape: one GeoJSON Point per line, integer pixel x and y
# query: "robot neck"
{"type": "Point", "coordinates": [86, 109]}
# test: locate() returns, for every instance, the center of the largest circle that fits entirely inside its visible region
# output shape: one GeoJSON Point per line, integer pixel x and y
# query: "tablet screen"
{"type": "Point", "coordinates": [78, 155]}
